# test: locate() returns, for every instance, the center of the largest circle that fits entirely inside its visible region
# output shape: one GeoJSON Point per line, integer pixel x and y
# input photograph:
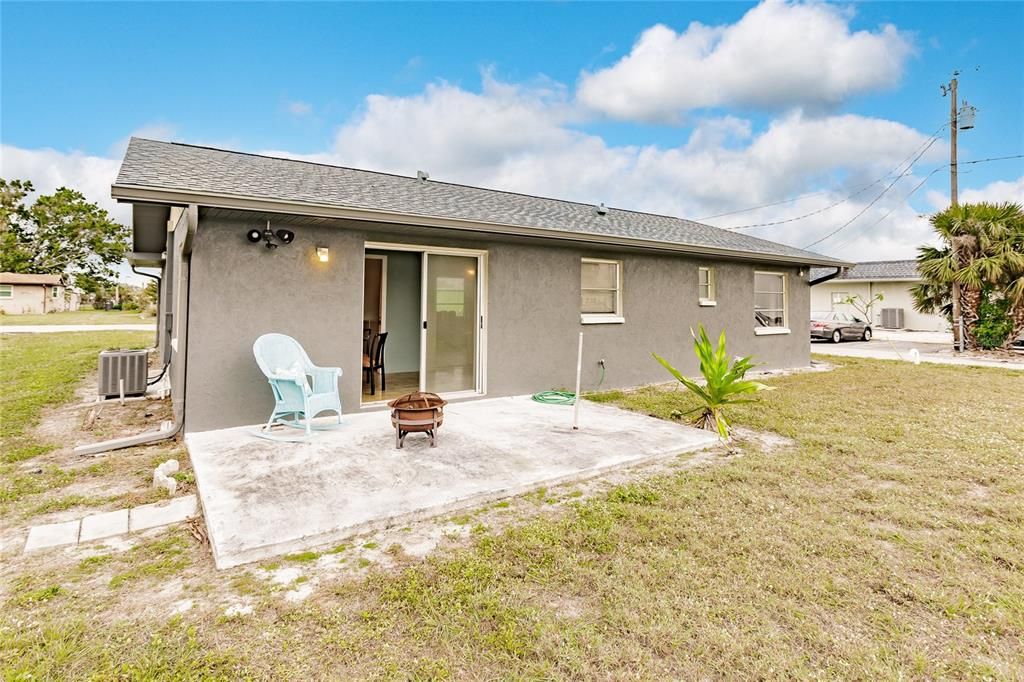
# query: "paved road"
{"type": "Point", "coordinates": [54, 328]}
{"type": "Point", "coordinates": [899, 348]}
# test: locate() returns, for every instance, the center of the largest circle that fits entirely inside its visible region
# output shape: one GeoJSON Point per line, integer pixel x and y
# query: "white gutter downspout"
{"type": "Point", "coordinates": [168, 429]}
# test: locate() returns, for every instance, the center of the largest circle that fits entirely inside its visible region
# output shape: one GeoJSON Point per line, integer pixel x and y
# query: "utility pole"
{"type": "Point", "coordinates": [952, 142]}
{"type": "Point", "coordinates": [954, 127]}
{"type": "Point", "coordinates": [958, 320]}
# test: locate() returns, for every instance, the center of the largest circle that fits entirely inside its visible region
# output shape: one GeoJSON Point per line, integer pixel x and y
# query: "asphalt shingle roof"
{"type": "Point", "coordinates": [25, 278]}
{"type": "Point", "coordinates": [879, 270]}
{"type": "Point", "coordinates": [180, 167]}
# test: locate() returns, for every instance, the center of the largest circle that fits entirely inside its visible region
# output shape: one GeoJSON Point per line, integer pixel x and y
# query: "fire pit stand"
{"type": "Point", "coordinates": [418, 412]}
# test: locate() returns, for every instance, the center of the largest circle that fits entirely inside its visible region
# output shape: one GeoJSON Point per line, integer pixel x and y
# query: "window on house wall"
{"type": "Point", "coordinates": [770, 303]}
{"type": "Point", "coordinates": [56, 292]}
{"type": "Point", "coordinates": [838, 299]}
{"type": "Point", "coordinates": [706, 286]}
{"type": "Point", "coordinates": [601, 291]}
{"type": "Point", "coordinates": [6, 291]}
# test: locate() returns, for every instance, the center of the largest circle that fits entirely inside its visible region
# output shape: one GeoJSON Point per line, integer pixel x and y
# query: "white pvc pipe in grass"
{"type": "Point", "coordinates": [576, 400]}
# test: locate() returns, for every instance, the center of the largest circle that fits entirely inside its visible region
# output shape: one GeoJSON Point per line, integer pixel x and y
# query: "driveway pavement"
{"type": "Point", "coordinates": [54, 328]}
{"type": "Point", "coordinates": [935, 347]}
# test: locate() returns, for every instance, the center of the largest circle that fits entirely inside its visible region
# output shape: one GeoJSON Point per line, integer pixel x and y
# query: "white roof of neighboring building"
{"type": "Point", "coordinates": [27, 278]}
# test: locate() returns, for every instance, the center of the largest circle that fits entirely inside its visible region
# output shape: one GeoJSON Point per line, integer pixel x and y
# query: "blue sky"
{"type": "Point", "coordinates": [294, 78]}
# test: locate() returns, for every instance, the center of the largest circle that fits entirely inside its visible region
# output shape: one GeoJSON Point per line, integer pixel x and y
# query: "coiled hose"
{"type": "Point", "coordinates": [562, 397]}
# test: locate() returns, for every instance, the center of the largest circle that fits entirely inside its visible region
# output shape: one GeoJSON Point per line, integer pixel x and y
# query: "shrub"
{"type": "Point", "coordinates": [994, 323]}
{"type": "Point", "coordinates": [723, 382]}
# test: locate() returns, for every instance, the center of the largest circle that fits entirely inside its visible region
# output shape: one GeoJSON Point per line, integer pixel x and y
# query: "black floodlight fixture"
{"type": "Point", "coordinates": [269, 237]}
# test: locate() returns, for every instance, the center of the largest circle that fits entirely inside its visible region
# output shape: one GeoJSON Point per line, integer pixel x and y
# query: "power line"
{"type": "Point", "coordinates": [994, 158]}
{"type": "Point", "coordinates": [774, 203]}
{"type": "Point", "coordinates": [873, 201]}
{"type": "Point", "coordinates": [928, 142]}
{"type": "Point", "coordinates": [892, 210]}
{"type": "Point", "coordinates": [919, 185]}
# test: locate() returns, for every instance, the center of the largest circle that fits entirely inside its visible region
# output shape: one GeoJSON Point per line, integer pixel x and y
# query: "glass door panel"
{"type": "Point", "coordinates": [452, 317]}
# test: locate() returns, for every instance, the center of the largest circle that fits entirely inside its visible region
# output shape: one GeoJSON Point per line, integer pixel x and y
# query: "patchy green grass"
{"type": "Point", "coordinates": [885, 542]}
{"type": "Point", "coordinates": [156, 559]}
{"type": "Point", "coordinates": [73, 648]}
{"type": "Point", "coordinates": [39, 371]}
{"type": "Point", "coordinates": [25, 594]}
{"type": "Point", "coordinates": [79, 317]}
{"type": "Point", "coordinates": [302, 557]}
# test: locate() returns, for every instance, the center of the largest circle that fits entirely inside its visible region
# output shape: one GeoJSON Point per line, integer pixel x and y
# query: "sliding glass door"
{"type": "Point", "coordinates": [451, 334]}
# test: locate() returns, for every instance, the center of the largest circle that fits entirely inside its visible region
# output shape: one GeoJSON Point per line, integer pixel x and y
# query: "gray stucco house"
{"type": "Point", "coordinates": [480, 292]}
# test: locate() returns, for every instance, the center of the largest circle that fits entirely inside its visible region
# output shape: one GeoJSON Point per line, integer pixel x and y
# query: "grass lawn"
{"type": "Point", "coordinates": [37, 371]}
{"type": "Point", "coordinates": [79, 317]}
{"type": "Point", "coordinates": [886, 541]}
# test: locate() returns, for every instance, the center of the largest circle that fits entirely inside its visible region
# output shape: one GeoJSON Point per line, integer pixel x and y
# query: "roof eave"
{"type": "Point", "coordinates": [132, 193]}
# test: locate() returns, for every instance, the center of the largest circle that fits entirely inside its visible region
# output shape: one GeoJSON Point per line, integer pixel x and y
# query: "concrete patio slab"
{"type": "Point", "coordinates": [52, 535]}
{"type": "Point", "coordinates": [162, 513]}
{"type": "Point", "coordinates": [104, 525]}
{"type": "Point", "coordinates": [263, 498]}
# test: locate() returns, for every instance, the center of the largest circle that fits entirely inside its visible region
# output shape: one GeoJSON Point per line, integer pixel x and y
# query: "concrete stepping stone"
{"type": "Point", "coordinates": [53, 535]}
{"type": "Point", "coordinates": [104, 525]}
{"type": "Point", "coordinates": [162, 513]}
{"type": "Point", "coordinates": [109, 524]}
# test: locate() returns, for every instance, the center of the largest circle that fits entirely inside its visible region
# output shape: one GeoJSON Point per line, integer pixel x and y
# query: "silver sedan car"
{"type": "Point", "coordinates": [837, 326]}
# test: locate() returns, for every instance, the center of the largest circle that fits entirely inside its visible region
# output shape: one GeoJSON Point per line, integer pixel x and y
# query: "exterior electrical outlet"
{"type": "Point", "coordinates": [129, 365]}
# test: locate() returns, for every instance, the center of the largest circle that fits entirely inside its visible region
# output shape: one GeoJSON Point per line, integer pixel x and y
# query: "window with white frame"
{"type": "Point", "coordinates": [706, 285]}
{"type": "Point", "coordinates": [838, 299]}
{"type": "Point", "coordinates": [770, 302]}
{"type": "Point", "coordinates": [6, 291]}
{"type": "Point", "coordinates": [56, 292]}
{"type": "Point", "coordinates": [600, 291]}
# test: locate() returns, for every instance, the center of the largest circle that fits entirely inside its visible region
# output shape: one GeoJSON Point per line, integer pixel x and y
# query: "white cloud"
{"type": "Point", "coordinates": [995, 192]}
{"type": "Point", "coordinates": [779, 54]}
{"type": "Point", "coordinates": [299, 108]}
{"type": "Point", "coordinates": [516, 138]}
{"type": "Point", "coordinates": [49, 169]}
{"type": "Point", "coordinates": [451, 131]}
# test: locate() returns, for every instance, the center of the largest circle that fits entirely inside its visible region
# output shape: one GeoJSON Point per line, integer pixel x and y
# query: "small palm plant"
{"type": "Point", "coordinates": [724, 384]}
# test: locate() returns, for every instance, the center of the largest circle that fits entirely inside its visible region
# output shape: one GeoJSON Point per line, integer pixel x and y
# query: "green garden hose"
{"type": "Point", "coordinates": [555, 397]}
{"type": "Point", "coordinates": [562, 397]}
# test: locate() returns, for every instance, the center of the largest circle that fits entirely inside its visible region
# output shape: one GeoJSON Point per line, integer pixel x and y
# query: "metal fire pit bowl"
{"type": "Point", "coordinates": [418, 412]}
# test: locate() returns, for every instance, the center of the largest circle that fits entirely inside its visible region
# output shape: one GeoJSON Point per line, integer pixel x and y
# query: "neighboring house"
{"type": "Point", "coordinates": [891, 278]}
{"type": "Point", "coordinates": [22, 294]}
{"type": "Point", "coordinates": [481, 292]}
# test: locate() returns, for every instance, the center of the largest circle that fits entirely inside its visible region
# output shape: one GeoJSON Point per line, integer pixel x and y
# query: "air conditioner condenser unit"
{"type": "Point", "coordinates": [128, 366]}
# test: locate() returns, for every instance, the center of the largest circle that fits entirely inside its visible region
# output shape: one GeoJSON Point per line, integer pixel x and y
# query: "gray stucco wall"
{"type": "Point", "coordinates": [240, 290]}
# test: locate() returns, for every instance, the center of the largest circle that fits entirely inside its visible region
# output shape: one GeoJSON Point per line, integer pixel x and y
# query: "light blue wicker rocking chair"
{"type": "Point", "coordinates": [288, 369]}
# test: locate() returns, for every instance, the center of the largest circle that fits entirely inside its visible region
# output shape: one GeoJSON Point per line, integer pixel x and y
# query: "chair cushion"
{"type": "Point", "coordinates": [297, 373]}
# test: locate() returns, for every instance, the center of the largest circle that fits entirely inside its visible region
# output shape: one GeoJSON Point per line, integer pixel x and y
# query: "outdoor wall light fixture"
{"type": "Point", "coordinates": [267, 236]}
{"type": "Point", "coordinates": [323, 254]}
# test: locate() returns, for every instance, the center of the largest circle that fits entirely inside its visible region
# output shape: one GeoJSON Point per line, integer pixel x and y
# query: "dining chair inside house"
{"type": "Point", "coordinates": [373, 361]}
